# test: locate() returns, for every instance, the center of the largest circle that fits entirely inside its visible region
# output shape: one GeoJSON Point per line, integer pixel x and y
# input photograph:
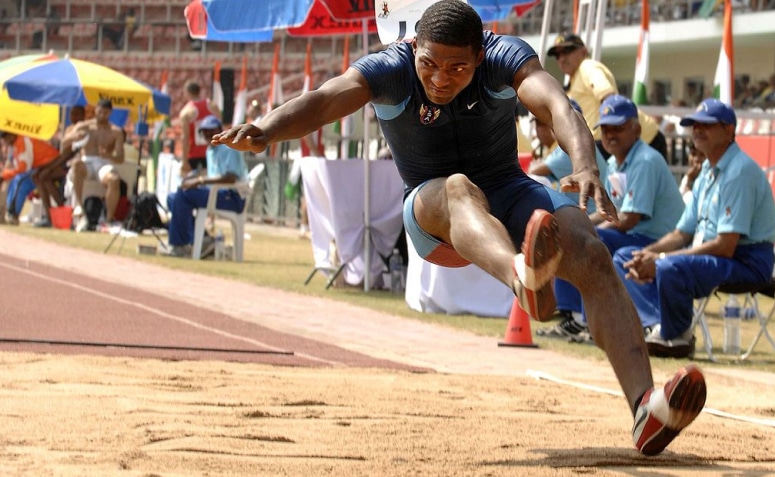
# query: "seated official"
{"type": "Point", "coordinates": [224, 166]}
{"type": "Point", "coordinates": [725, 236]}
{"type": "Point", "coordinates": [556, 165]}
{"type": "Point", "coordinates": [641, 186]}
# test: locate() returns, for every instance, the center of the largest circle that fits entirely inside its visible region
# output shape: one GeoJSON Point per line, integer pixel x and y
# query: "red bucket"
{"type": "Point", "coordinates": [61, 217]}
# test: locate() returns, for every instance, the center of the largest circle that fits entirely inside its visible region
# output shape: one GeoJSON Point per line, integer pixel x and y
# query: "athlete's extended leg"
{"type": "Point", "coordinates": [616, 329]}
{"type": "Point", "coordinates": [455, 211]}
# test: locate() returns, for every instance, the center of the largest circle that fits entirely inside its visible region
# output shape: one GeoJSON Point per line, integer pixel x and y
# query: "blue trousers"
{"type": "Point", "coordinates": [669, 299]}
{"type": "Point", "coordinates": [18, 189]}
{"type": "Point", "coordinates": [568, 297]}
{"type": "Point", "coordinates": [182, 204]}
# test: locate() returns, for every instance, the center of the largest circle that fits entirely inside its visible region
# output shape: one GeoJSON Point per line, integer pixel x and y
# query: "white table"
{"type": "Point", "coordinates": [334, 191]}
{"type": "Point", "coordinates": [453, 291]}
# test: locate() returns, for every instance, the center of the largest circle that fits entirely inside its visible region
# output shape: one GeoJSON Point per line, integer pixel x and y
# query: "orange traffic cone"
{"type": "Point", "coordinates": [518, 328]}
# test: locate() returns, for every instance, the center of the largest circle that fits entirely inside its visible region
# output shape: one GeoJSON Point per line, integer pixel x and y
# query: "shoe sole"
{"type": "Point", "coordinates": [685, 395]}
{"type": "Point", "coordinates": [542, 252]}
{"type": "Point", "coordinates": [680, 351]}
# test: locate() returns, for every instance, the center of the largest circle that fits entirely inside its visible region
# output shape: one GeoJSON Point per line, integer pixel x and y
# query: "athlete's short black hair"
{"type": "Point", "coordinates": [105, 103]}
{"type": "Point", "coordinates": [452, 23]}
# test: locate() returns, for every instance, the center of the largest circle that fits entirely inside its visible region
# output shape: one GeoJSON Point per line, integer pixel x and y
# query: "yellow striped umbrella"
{"type": "Point", "coordinates": [40, 121]}
{"type": "Point", "coordinates": [69, 82]}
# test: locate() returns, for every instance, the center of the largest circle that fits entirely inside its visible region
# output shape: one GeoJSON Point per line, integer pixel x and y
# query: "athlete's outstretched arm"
{"type": "Point", "coordinates": [543, 96]}
{"type": "Point", "coordinates": [335, 99]}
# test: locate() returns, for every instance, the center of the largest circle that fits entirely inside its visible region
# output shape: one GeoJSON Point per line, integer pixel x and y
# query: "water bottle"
{"type": "Point", "coordinates": [220, 245]}
{"type": "Point", "coordinates": [396, 266]}
{"type": "Point", "coordinates": [732, 326]}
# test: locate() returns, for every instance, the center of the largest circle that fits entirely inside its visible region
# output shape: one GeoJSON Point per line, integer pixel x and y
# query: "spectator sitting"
{"type": "Point", "coordinates": [556, 165]}
{"type": "Point", "coordinates": [121, 29]}
{"type": "Point", "coordinates": [103, 149]}
{"type": "Point", "coordinates": [27, 155]}
{"type": "Point", "coordinates": [224, 166]}
{"type": "Point", "coordinates": [696, 158]}
{"type": "Point", "coordinates": [641, 186]}
{"type": "Point", "coordinates": [766, 89]}
{"type": "Point", "coordinates": [47, 177]}
{"type": "Point", "coordinates": [725, 235]}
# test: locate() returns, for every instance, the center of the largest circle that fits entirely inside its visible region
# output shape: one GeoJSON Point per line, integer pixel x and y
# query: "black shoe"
{"type": "Point", "coordinates": [568, 328]}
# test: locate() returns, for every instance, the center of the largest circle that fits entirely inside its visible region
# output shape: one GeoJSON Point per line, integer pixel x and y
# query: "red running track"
{"type": "Point", "coordinates": [50, 310]}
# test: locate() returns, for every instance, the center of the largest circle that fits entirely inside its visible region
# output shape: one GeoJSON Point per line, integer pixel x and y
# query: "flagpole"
{"type": "Point", "coordinates": [366, 177]}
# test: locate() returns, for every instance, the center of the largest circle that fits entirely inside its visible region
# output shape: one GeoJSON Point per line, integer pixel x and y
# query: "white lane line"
{"type": "Point", "coordinates": [715, 412]}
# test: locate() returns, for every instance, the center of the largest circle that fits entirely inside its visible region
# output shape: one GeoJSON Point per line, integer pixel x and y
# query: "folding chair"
{"type": "Point", "coordinates": [763, 320]}
{"type": "Point", "coordinates": [750, 291]}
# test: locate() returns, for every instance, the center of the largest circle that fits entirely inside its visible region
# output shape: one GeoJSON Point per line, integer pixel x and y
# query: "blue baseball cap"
{"type": "Point", "coordinates": [210, 122]}
{"type": "Point", "coordinates": [711, 111]}
{"type": "Point", "coordinates": [616, 110]}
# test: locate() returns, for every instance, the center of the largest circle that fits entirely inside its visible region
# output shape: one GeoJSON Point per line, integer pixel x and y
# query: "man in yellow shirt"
{"type": "Point", "coordinates": [590, 83]}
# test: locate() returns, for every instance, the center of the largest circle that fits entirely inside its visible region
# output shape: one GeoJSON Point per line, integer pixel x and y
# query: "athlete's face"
{"type": "Point", "coordinates": [444, 71]}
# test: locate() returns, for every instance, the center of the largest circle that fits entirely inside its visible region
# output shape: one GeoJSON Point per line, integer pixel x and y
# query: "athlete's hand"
{"type": "Point", "coordinates": [245, 137]}
{"type": "Point", "coordinates": [588, 185]}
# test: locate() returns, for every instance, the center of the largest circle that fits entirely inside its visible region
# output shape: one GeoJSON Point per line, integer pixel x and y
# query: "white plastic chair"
{"type": "Point", "coordinates": [237, 219]}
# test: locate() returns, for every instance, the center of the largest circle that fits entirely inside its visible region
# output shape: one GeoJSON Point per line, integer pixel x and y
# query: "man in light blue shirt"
{"type": "Point", "coordinates": [557, 164]}
{"type": "Point", "coordinates": [725, 236]}
{"type": "Point", "coordinates": [224, 166]}
{"type": "Point", "coordinates": [641, 186]}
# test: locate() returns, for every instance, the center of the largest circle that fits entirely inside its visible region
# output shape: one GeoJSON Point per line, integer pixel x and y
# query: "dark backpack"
{"type": "Point", "coordinates": [92, 207]}
{"type": "Point", "coordinates": [145, 213]}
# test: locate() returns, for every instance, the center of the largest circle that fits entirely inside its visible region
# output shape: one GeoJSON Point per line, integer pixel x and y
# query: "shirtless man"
{"type": "Point", "coordinates": [104, 148]}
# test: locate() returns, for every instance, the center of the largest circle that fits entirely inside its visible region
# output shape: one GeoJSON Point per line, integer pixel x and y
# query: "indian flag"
{"type": "Point", "coordinates": [241, 101]}
{"type": "Point", "coordinates": [159, 129]}
{"type": "Point", "coordinates": [639, 93]}
{"type": "Point", "coordinates": [311, 144]}
{"type": "Point", "coordinates": [275, 97]}
{"type": "Point", "coordinates": [345, 126]}
{"type": "Point", "coordinates": [161, 125]}
{"type": "Point", "coordinates": [723, 84]}
{"type": "Point", "coordinates": [217, 88]}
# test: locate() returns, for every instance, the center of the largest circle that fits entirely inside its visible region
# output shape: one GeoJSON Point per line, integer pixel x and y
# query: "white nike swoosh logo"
{"type": "Point", "coordinates": [472, 104]}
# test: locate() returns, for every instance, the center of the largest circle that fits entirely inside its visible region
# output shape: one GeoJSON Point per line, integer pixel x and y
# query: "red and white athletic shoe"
{"type": "Point", "coordinates": [663, 413]}
{"type": "Point", "coordinates": [534, 268]}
